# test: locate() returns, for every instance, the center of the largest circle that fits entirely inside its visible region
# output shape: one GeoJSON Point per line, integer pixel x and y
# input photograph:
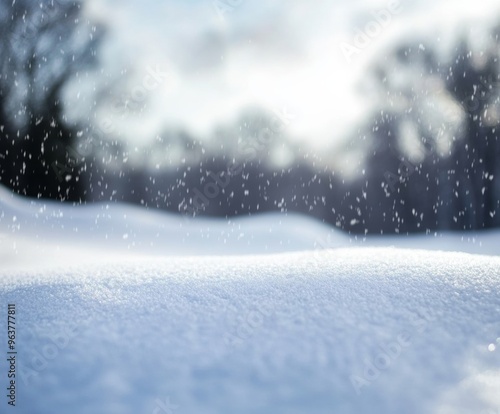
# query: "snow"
{"type": "Point", "coordinates": [54, 233]}
{"type": "Point", "coordinates": [248, 318]}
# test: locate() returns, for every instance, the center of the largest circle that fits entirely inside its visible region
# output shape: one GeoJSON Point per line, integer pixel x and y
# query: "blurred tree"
{"type": "Point", "coordinates": [44, 46]}
{"type": "Point", "coordinates": [474, 81]}
{"type": "Point", "coordinates": [435, 140]}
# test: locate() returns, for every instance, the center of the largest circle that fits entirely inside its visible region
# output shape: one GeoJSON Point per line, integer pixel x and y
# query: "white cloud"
{"type": "Point", "coordinates": [278, 54]}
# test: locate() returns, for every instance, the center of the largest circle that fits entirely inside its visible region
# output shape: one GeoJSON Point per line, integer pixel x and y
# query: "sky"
{"type": "Point", "coordinates": [288, 56]}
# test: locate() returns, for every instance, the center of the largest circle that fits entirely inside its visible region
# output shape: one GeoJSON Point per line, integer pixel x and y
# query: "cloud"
{"type": "Point", "coordinates": [277, 54]}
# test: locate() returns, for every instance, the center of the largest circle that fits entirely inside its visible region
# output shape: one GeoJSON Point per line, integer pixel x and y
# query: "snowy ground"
{"type": "Point", "coordinates": [125, 311]}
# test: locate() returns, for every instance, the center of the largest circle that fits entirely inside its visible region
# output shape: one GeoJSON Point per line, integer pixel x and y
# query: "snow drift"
{"type": "Point", "coordinates": [150, 324]}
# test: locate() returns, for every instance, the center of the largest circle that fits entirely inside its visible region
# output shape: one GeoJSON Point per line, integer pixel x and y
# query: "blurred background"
{"type": "Point", "coordinates": [372, 116]}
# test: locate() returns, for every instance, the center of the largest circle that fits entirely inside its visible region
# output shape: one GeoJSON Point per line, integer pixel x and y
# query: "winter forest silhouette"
{"type": "Point", "coordinates": [428, 152]}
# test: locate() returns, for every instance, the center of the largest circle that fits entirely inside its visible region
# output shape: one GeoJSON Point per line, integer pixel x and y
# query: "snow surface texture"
{"type": "Point", "coordinates": [345, 330]}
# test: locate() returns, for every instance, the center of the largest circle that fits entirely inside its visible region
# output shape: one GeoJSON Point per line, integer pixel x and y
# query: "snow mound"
{"type": "Point", "coordinates": [35, 233]}
{"type": "Point", "coordinates": [340, 331]}
{"type": "Point", "coordinates": [121, 310]}
{"type": "Point", "coordinates": [60, 233]}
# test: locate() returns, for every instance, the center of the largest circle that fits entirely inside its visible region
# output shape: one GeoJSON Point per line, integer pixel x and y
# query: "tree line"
{"type": "Point", "coordinates": [430, 147]}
